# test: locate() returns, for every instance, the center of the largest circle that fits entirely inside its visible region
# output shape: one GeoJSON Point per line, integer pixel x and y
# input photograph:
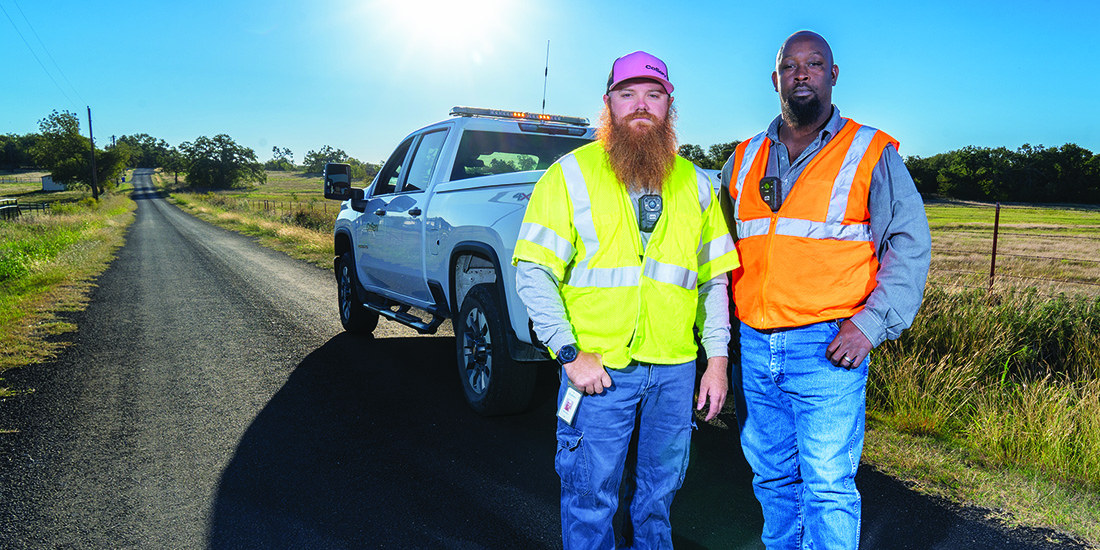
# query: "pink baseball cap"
{"type": "Point", "coordinates": [638, 65]}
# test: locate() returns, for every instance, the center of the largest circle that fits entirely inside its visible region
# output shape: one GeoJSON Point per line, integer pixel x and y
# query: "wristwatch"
{"type": "Point", "coordinates": [567, 354]}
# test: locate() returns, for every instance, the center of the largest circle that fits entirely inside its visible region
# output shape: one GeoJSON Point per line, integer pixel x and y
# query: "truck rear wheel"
{"type": "Point", "coordinates": [494, 383]}
{"type": "Point", "coordinates": [355, 318]}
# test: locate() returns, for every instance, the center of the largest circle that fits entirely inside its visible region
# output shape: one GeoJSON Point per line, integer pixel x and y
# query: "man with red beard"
{"type": "Point", "coordinates": [835, 247]}
{"type": "Point", "coordinates": [622, 252]}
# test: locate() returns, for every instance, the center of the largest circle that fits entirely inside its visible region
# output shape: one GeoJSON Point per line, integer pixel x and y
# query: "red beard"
{"type": "Point", "coordinates": [641, 158]}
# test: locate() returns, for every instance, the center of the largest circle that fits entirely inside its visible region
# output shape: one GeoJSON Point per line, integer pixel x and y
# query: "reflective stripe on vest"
{"type": "Point", "coordinates": [832, 228]}
{"type": "Point", "coordinates": [546, 238]}
{"type": "Point", "coordinates": [715, 249]}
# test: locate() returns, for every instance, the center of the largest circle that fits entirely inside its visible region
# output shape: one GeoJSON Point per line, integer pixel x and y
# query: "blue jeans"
{"type": "Point", "coordinates": [802, 422]}
{"type": "Point", "coordinates": [655, 400]}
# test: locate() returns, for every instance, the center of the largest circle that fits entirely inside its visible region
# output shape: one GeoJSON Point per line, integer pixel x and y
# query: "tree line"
{"type": "Point", "coordinates": [1066, 174]}
{"type": "Point", "coordinates": [208, 162]}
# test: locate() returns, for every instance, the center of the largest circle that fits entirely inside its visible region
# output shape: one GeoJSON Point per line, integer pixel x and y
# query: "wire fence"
{"type": "Point", "coordinates": [289, 207]}
{"type": "Point", "coordinates": [989, 258]}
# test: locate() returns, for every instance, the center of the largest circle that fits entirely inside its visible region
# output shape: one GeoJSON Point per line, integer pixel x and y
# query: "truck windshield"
{"type": "Point", "coordinates": [484, 153]}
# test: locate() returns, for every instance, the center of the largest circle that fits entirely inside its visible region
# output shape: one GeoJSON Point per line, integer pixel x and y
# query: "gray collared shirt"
{"type": "Point", "coordinates": [899, 230]}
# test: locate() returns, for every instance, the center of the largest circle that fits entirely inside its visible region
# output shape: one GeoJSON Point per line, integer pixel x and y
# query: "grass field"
{"type": "Point", "coordinates": [1053, 250]}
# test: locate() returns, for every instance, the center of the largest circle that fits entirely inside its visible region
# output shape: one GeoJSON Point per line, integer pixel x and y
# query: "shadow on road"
{"type": "Point", "coordinates": [370, 444]}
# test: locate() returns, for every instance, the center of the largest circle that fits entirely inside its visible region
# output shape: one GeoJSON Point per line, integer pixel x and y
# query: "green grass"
{"type": "Point", "coordinates": [1009, 381]}
{"type": "Point", "coordinates": [47, 262]}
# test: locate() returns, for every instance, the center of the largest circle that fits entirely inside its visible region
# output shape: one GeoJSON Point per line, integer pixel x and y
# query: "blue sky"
{"type": "Point", "coordinates": [360, 74]}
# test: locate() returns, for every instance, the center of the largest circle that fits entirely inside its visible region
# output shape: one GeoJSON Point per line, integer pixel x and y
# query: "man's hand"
{"type": "Point", "coordinates": [849, 348]}
{"type": "Point", "coordinates": [713, 386]}
{"type": "Point", "coordinates": [587, 373]}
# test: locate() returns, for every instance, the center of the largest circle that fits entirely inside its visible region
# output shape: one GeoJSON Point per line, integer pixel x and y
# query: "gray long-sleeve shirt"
{"type": "Point", "coordinates": [899, 230]}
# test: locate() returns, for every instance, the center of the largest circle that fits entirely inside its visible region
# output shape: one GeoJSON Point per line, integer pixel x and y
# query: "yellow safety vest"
{"type": "Point", "coordinates": [622, 302]}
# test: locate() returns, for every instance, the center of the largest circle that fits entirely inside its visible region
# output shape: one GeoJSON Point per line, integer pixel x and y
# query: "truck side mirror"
{"type": "Point", "coordinates": [337, 181]}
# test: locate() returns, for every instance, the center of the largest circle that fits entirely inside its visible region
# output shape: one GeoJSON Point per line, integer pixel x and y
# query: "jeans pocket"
{"type": "Point", "coordinates": [571, 461]}
{"type": "Point", "coordinates": [687, 455]}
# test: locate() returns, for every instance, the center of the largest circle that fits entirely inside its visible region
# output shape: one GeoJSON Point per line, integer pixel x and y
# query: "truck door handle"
{"type": "Point", "coordinates": [379, 212]}
{"type": "Point", "coordinates": [414, 212]}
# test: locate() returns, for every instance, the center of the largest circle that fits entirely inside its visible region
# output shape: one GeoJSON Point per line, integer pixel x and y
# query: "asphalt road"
{"type": "Point", "coordinates": [210, 400]}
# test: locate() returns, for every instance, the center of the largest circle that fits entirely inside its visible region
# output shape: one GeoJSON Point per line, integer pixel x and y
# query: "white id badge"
{"type": "Point", "coordinates": [569, 404]}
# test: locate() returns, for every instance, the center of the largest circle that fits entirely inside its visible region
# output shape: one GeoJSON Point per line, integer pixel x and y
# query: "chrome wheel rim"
{"type": "Point", "coordinates": [345, 293]}
{"type": "Point", "coordinates": [477, 350]}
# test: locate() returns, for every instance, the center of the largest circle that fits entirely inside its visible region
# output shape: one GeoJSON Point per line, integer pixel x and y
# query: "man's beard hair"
{"type": "Point", "coordinates": [642, 159]}
{"type": "Point", "coordinates": [802, 112]}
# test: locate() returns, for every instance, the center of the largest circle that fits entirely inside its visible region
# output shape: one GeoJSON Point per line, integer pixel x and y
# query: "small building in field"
{"type": "Point", "coordinates": [49, 185]}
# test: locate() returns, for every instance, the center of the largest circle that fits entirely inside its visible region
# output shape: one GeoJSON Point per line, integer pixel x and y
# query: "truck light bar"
{"type": "Point", "coordinates": [501, 113]}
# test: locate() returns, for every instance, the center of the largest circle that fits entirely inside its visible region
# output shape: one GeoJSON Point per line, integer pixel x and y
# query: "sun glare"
{"type": "Point", "coordinates": [444, 30]}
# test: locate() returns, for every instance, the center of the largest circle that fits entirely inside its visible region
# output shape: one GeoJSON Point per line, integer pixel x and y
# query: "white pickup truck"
{"type": "Point", "coordinates": [432, 236]}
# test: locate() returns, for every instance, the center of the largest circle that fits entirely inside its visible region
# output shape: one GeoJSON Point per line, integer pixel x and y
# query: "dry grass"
{"type": "Point", "coordinates": [298, 225]}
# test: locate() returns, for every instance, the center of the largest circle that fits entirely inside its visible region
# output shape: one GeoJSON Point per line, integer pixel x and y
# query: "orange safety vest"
{"type": "Point", "coordinates": [814, 259]}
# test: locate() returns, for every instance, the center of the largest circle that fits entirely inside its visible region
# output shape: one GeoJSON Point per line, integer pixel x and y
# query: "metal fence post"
{"type": "Point", "coordinates": [993, 258]}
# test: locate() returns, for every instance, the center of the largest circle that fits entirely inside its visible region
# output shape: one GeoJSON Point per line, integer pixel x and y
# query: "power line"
{"type": "Point", "coordinates": [47, 50]}
{"type": "Point", "coordinates": [40, 64]}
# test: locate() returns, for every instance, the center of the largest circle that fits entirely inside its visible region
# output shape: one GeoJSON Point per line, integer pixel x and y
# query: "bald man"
{"type": "Point", "coordinates": [835, 249]}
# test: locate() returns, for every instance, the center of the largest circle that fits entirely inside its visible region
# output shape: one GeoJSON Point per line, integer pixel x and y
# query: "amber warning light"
{"type": "Point", "coordinates": [519, 115]}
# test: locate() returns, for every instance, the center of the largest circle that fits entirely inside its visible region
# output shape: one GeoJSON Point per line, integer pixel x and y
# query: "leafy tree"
{"type": "Point", "coordinates": [1072, 179]}
{"type": "Point", "coordinates": [110, 163]}
{"type": "Point", "coordinates": [713, 158]}
{"type": "Point", "coordinates": [695, 154]}
{"type": "Point", "coordinates": [67, 155]}
{"type": "Point", "coordinates": [174, 161]}
{"type": "Point", "coordinates": [315, 161]}
{"type": "Point", "coordinates": [281, 159]}
{"type": "Point", "coordinates": [719, 153]}
{"type": "Point", "coordinates": [363, 171]}
{"type": "Point", "coordinates": [146, 151]}
{"type": "Point", "coordinates": [61, 149]}
{"type": "Point", "coordinates": [220, 163]}
{"type": "Point", "coordinates": [17, 151]}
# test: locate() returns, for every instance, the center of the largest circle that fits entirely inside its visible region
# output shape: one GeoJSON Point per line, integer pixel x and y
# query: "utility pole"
{"type": "Point", "coordinates": [95, 178]}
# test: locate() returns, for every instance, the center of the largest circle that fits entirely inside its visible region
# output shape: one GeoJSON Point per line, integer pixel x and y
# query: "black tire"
{"type": "Point", "coordinates": [494, 383]}
{"type": "Point", "coordinates": [355, 318]}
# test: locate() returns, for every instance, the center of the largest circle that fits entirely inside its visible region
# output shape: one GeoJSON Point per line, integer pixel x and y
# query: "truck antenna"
{"type": "Point", "coordinates": [545, 76]}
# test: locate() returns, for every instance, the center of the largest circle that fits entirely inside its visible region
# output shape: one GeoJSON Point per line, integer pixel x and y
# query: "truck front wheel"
{"type": "Point", "coordinates": [355, 318]}
{"type": "Point", "coordinates": [493, 382]}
